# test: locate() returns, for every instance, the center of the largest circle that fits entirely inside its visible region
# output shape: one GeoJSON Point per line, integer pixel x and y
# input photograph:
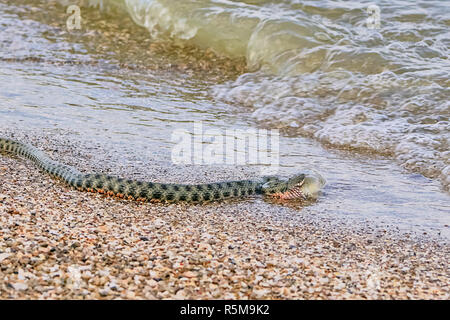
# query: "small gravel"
{"type": "Point", "coordinates": [59, 243]}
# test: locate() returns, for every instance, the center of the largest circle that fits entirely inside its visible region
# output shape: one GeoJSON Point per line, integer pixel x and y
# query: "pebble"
{"type": "Point", "coordinates": [20, 286]}
{"type": "Point", "coordinates": [4, 256]}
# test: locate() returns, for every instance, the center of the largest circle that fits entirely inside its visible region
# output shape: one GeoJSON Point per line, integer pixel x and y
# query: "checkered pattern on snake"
{"type": "Point", "coordinates": [158, 192]}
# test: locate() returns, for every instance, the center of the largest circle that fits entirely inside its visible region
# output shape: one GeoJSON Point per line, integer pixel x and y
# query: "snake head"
{"type": "Point", "coordinates": [301, 186]}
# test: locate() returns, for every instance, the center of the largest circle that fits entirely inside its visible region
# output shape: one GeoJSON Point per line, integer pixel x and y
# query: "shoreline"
{"type": "Point", "coordinates": [59, 243]}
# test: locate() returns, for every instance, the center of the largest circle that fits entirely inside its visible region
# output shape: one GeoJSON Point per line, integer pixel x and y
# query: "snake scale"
{"type": "Point", "coordinates": [300, 186]}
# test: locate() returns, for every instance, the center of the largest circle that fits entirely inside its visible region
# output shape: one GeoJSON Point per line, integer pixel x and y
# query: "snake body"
{"type": "Point", "coordinates": [297, 187]}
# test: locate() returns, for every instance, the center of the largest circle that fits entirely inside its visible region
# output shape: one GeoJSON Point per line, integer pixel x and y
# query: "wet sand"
{"type": "Point", "coordinates": [59, 243]}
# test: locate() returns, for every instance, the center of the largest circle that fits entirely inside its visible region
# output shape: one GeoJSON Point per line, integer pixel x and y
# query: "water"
{"type": "Point", "coordinates": [321, 69]}
{"type": "Point", "coordinates": [366, 107]}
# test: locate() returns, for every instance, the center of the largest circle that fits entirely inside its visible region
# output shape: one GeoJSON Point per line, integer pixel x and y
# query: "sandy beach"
{"type": "Point", "coordinates": [59, 243]}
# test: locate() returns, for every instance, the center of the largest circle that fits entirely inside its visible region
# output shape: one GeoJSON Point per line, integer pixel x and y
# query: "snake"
{"type": "Point", "coordinates": [298, 187]}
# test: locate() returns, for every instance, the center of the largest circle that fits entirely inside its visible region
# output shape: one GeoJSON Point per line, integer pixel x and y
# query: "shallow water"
{"type": "Point", "coordinates": [366, 129]}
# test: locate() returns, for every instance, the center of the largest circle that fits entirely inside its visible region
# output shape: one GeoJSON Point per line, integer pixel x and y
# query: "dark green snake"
{"type": "Point", "coordinates": [300, 186]}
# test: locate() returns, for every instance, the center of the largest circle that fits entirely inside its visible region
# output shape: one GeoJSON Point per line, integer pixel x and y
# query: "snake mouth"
{"type": "Point", "coordinates": [307, 188]}
{"type": "Point", "coordinates": [292, 194]}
